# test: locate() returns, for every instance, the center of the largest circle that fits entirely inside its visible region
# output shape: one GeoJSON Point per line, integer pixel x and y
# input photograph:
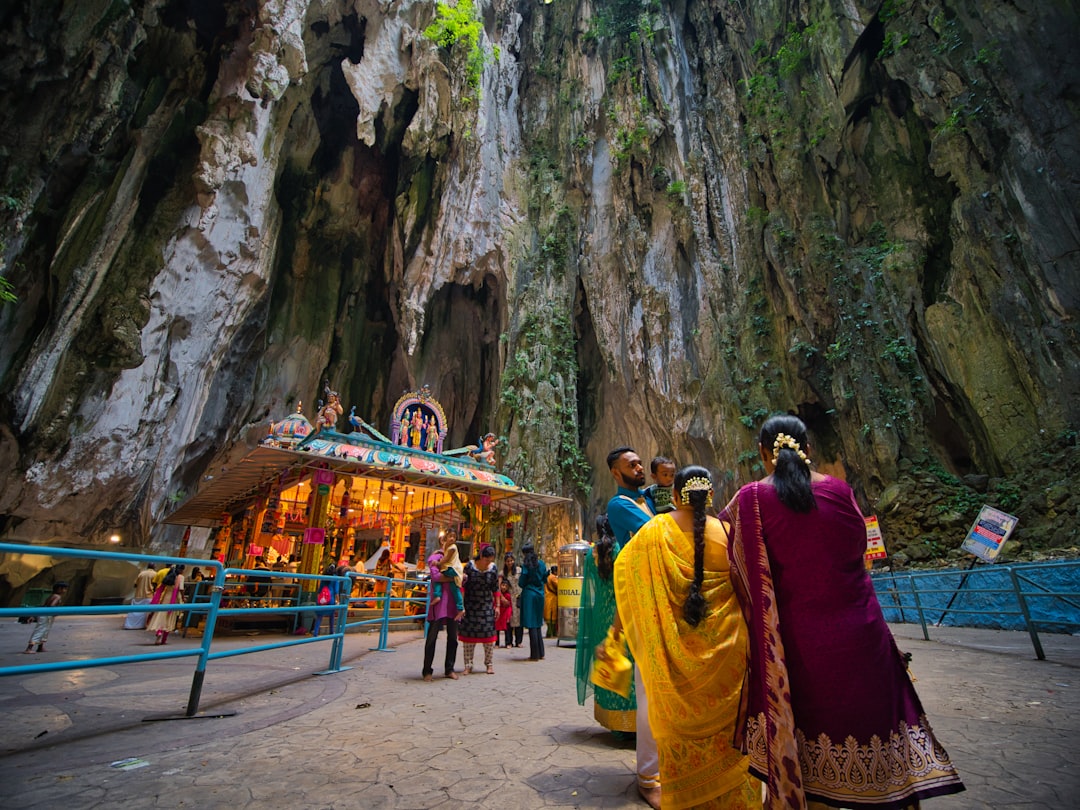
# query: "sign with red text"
{"type": "Point", "coordinates": [988, 533]}
{"type": "Point", "coordinates": [875, 543]}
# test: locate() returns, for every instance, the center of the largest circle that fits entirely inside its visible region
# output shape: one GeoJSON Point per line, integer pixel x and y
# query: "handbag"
{"type": "Point", "coordinates": [616, 673]}
{"type": "Point", "coordinates": [324, 596]}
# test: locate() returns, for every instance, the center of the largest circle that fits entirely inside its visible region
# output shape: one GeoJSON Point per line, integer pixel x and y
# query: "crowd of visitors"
{"type": "Point", "coordinates": [765, 674]}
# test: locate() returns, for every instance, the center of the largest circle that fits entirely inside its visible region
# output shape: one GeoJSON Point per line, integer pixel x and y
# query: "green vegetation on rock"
{"type": "Point", "coordinates": [460, 25]}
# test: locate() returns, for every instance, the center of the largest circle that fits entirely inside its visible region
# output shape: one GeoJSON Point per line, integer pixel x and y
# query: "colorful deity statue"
{"type": "Point", "coordinates": [417, 427]}
{"type": "Point", "coordinates": [329, 411]}
{"type": "Point", "coordinates": [418, 421]}
{"type": "Point", "coordinates": [486, 451]}
{"type": "Point", "coordinates": [431, 434]}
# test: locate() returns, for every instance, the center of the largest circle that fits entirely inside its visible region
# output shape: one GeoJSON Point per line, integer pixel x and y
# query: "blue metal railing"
{"type": "Point", "coordinates": [211, 592]}
{"type": "Point", "coordinates": [1031, 597]}
{"type": "Point", "coordinates": [383, 601]}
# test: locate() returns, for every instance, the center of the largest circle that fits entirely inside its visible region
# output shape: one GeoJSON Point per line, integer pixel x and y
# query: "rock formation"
{"type": "Point", "coordinates": [596, 222]}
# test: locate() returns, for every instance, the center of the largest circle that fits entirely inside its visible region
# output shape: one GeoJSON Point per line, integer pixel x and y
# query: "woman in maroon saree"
{"type": "Point", "coordinates": [832, 716]}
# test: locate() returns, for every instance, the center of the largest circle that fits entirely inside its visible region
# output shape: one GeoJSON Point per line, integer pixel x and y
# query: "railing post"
{"type": "Point", "coordinates": [341, 610]}
{"type": "Point", "coordinates": [918, 607]}
{"type": "Point", "coordinates": [384, 628]}
{"type": "Point", "coordinates": [207, 637]}
{"type": "Point", "coordinates": [895, 592]}
{"type": "Point", "coordinates": [1027, 616]}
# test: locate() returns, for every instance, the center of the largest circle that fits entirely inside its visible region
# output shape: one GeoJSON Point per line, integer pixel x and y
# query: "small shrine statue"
{"type": "Point", "coordinates": [417, 426]}
{"type": "Point", "coordinates": [432, 435]}
{"type": "Point", "coordinates": [329, 411]}
{"type": "Point", "coordinates": [486, 452]}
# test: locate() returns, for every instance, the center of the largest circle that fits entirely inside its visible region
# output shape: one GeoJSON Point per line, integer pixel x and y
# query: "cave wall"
{"type": "Point", "coordinates": [650, 223]}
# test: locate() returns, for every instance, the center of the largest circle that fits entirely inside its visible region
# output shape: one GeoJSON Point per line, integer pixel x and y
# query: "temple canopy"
{"type": "Point", "coordinates": [366, 460]}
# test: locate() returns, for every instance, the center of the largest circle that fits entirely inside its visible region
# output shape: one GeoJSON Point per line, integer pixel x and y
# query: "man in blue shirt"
{"type": "Point", "coordinates": [627, 512]}
{"type": "Point", "coordinates": [630, 509]}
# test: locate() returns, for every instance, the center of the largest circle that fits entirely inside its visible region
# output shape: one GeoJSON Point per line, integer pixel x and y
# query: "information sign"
{"type": "Point", "coordinates": [988, 533]}
{"type": "Point", "coordinates": [875, 544]}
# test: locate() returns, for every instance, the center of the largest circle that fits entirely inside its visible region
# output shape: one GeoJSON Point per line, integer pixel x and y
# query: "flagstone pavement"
{"type": "Point", "coordinates": [377, 736]}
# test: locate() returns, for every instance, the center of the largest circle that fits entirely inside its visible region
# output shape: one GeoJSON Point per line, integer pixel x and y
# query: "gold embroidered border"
{"type": "Point", "coordinates": [615, 719]}
{"type": "Point", "coordinates": [909, 761]}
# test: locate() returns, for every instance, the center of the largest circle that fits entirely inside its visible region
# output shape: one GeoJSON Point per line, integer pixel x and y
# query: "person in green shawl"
{"type": "Point", "coordinates": [612, 711]}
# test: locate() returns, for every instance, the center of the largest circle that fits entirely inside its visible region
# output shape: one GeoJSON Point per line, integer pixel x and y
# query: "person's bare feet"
{"type": "Point", "coordinates": [427, 678]}
{"type": "Point", "coordinates": [651, 796]}
{"type": "Point", "coordinates": [452, 676]}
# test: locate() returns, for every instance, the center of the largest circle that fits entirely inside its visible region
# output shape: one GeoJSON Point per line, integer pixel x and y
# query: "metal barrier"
{"type": "Point", "coordinates": [384, 601]}
{"type": "Point", "coordinates": [1006, 597]}
{"type": "Point", "coordinates": [249, 603]}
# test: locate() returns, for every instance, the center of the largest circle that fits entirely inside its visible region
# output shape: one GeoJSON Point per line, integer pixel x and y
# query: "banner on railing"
{"type": "Point", "coordinates": [988, 533]}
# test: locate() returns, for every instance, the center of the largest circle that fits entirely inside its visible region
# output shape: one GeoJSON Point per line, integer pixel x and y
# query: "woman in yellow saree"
{"type": "Point", "coordinates": [680, 616]}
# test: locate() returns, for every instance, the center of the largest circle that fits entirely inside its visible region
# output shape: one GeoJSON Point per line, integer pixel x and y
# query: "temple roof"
{"type": "Point", "coordinates": [358, 456]}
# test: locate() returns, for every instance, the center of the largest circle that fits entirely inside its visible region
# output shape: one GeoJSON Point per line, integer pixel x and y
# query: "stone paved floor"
{"type": "Point", "coordinates": [376, 736]}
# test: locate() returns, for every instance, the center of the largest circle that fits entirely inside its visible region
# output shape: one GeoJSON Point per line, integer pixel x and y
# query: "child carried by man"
{"type": "Point", "coordinates": [453, 570]}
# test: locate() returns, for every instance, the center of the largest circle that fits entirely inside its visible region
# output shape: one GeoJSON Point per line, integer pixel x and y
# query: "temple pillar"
{"type": "Point", "coordinates": [315, 534]}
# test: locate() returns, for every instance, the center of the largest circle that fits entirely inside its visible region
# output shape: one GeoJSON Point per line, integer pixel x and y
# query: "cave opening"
{"type": "Point", "coordinates": [819, 424]}
{"type": "Point", "coordinates": [951, 438]}
{"type": "Point", "coordinates": [334, 107]}
{"type": "Point", "coordinates": [590, 363]}
{"type": "Point", "coordinates": [459, 356]}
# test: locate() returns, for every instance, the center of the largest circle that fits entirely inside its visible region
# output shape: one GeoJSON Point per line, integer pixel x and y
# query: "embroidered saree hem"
{"type": "Point", "coordinates": [690, 771]}
{"type": "Point", "coordinates": [615, 719]}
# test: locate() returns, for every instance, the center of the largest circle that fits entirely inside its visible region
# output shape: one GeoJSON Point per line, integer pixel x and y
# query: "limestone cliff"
{"type": "Point", "coordinates": [601, 221]}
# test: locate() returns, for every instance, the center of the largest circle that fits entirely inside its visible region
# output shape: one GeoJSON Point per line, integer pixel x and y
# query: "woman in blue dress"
{"type": "Point", "coordinates": [533, 574]}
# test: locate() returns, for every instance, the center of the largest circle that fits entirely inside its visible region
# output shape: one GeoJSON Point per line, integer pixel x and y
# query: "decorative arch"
{"type": "Point", "coordinates": [418, 421]}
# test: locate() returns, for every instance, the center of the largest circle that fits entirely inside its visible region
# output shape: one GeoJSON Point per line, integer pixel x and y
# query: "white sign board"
{"type": "Point", "coordinates": [988, 533]}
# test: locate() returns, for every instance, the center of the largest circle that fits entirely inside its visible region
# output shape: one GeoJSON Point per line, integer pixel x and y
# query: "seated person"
{"type": "Point", "coordinates": [259, 586]}
{"type": "Point", "coordinates": [367, 590]}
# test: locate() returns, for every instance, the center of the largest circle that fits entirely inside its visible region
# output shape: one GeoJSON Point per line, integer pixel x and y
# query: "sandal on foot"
{"type": "Point", "coordinates": [491, 670]}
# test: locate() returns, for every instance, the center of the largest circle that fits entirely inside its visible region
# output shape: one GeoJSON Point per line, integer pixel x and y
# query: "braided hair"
{"type": "Point", "coordinates": [694, 607]}
{"type": "Point", "coordinates": [605, 548]}
{"type": "Point", "coordinates": [792, 474]}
